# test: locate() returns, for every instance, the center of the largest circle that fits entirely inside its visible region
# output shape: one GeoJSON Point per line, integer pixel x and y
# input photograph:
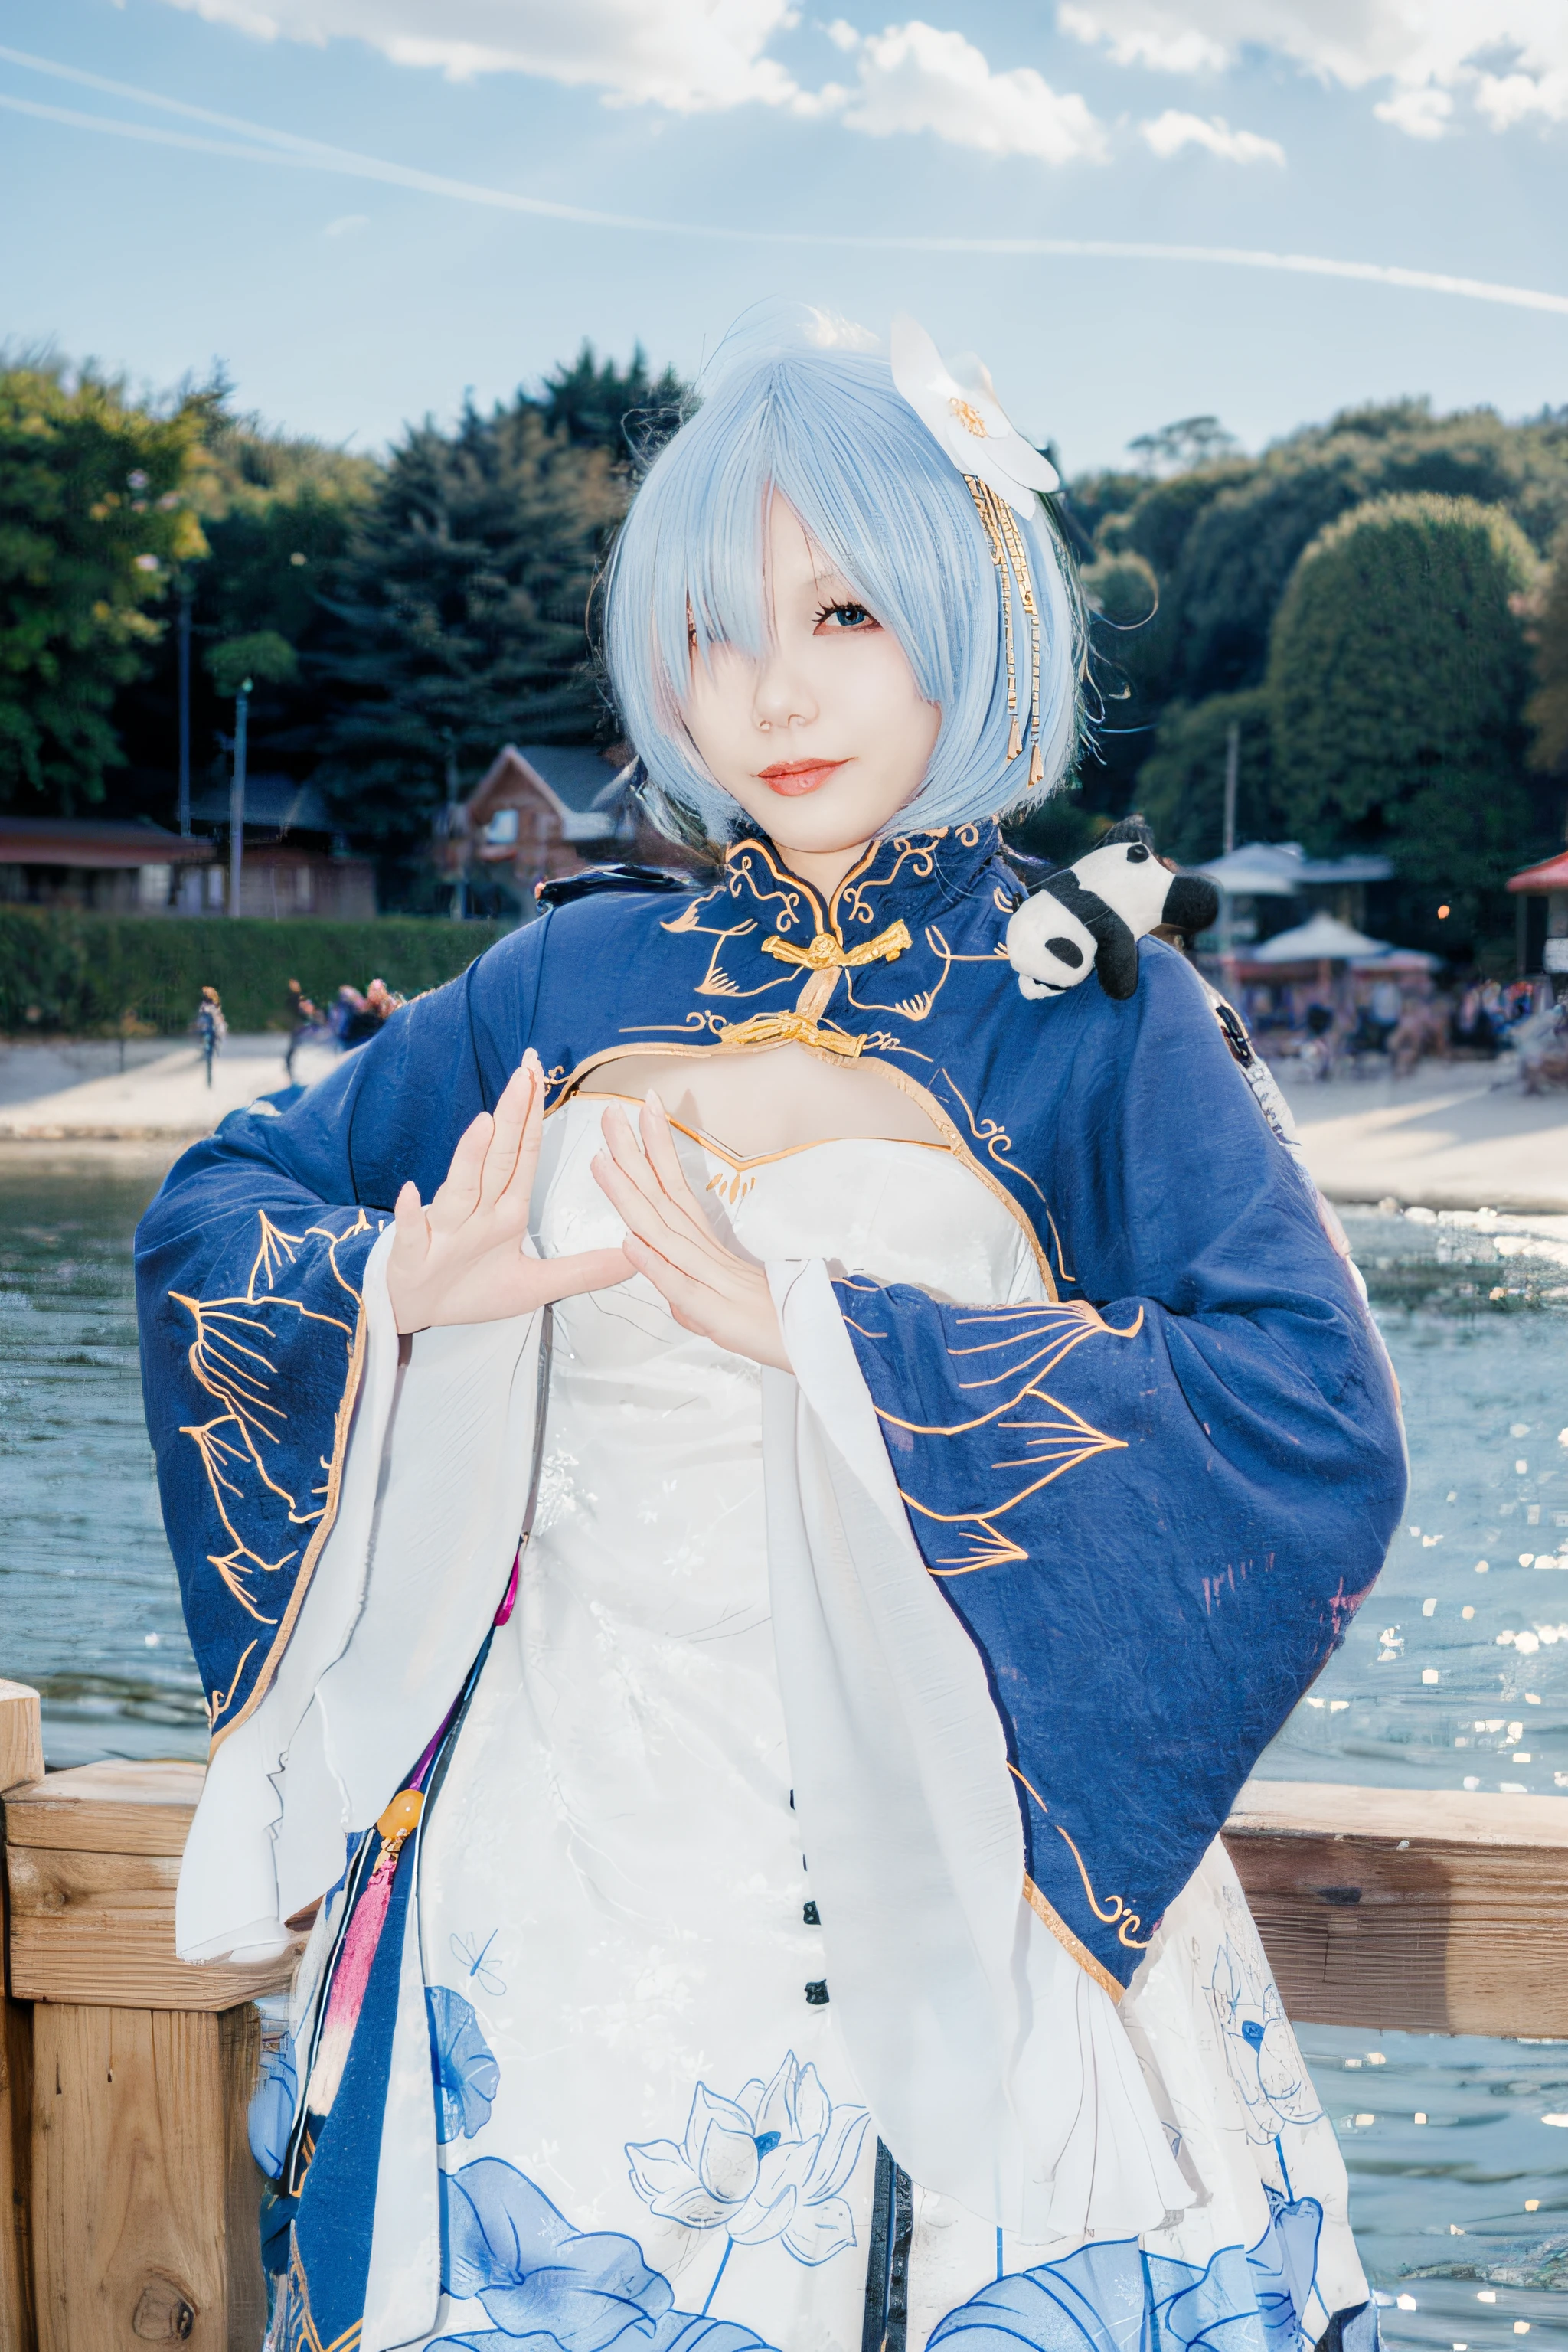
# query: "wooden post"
{"type": "Point", "coordinates": [21, 1758]}
{"type": "Point", "coordinates": [144, 2199]}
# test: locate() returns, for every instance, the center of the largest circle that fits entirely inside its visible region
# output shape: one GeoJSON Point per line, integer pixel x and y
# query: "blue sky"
{"type": "Point", "coordinates": [1431, 139]}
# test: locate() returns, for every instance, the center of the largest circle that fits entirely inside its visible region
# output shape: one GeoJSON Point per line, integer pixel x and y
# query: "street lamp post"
{"type": "Point", "coordinates": [237, 797]}
{"type": "Point", "coordinates": [182, 641]}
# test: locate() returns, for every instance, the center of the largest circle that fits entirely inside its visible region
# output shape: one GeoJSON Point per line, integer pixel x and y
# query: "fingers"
{"type": "Point", "coordinates": [513, 1113]}
{"type": "Point", "coordinates": [411, 1235]}
{"type": "Point", "coordinates": [519, 1188]}
{"type": "Point", "coordinates": [668, 1204]}
{"type": "Point", "coordinates": [566, 1277]}
{"type": "Point", "coordinates": [460, 1193]}
{"type": "Point", "coordinates": [659, 1146]}
{"type": "Point", "coordinates": [651, 1219]}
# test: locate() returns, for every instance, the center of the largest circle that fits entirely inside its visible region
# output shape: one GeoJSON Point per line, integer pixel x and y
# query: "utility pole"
{"type": "Point", "coordinates": [452, 820]}
{"type": "Point", "coordinates": [183, 640]}
{"type": "Point", "coordinates": [237, 797]}
{"type": "Point", "coordinates": [1232, 778]}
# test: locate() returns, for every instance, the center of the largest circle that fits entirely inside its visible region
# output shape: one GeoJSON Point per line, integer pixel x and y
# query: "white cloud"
{"type": "Point", "coordinates": [689, 56]}
{"type": "Point", "coordinates": [1510, 56]}
{"type": "Point", "coordinates": [914, 78]}
{"type": "Point", "coordinates": [1146, 38]}
{"type": "Point", "coordinates": [696, 57]}
{"type": "Point", "coordinates": [347, 225]}
{"type": "Point", "coordinates": [1507, 99]}
{"type": "Point", "coordinates": [1171, 132]}
{"type": "Point", "coordinates": [1425, 111]}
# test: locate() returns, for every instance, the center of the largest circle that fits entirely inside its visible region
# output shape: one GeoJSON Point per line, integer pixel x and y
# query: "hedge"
{"type": "Point", "coordinates": [108, 975]}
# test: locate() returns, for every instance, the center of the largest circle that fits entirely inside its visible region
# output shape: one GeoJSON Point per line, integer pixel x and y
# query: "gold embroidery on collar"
{"type": "Point", "coordinates": [822, 960]}
{"type": "Point", "coordinates": [826, 953]}
{"type": "Point", "coordinates": [793, 1029]}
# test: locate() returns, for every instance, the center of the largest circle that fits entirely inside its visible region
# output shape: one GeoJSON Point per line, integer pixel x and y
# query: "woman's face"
{"type": "Point", "coordinates": [824, 739]}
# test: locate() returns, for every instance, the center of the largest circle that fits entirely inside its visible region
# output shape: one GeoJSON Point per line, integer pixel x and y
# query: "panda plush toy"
{"type": "Point", "coordinates": [1091, 915]}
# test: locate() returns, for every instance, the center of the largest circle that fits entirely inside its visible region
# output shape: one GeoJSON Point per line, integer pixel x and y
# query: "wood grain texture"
{"type": "Point", "coordinates": [16, 2329]}
{"type": "Point", "coordinates": [116, 1807]}
{"type": "Point", "coordinates": [239, 2053]}
{"type": "Point", "coordinates": [1434, 1912]}
{"type": "Point", "coordinates": [98, 1930]}
{"type": "Point", "coordinates": [143, 2226]}
{"type": "Point", "coordinates": [21, 1735]}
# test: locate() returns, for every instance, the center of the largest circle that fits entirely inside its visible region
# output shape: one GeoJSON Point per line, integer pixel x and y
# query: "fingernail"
{"type": "Point", "coordinates": [654, 1104]}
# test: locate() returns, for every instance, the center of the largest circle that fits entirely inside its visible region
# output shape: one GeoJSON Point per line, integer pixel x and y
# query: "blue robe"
{"type": "Point", "coordinates": [1154, 1500]}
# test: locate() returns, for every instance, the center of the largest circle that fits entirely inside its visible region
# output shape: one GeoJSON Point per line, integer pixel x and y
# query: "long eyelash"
{"type": "Point", "coordinates": [845, 604]}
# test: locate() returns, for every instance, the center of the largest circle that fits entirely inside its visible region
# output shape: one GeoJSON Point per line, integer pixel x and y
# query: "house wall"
{"type": "Point", "coordinates": [540, 852]}
{"type": "Point", "coordinates": [101, 890]}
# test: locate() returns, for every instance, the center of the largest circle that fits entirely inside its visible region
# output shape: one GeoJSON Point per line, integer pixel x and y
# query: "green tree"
{"type": "Point", "coordinates": [458, 613]}
{"type": "Point", "coordinates": [95, 517]}
{"type": "Point", "coordinates": [1223, 537]}
{"type": "Point", "coordinates": [1396, 680]}
{"type": "Point", "coordinates": [599, 405]}
{"type": "Point", "coordinates": [1181, 787]}
{"type": "Point", "coordinates": [1548, 707]}
{"type": "Point", "coordinates": [276, 510]}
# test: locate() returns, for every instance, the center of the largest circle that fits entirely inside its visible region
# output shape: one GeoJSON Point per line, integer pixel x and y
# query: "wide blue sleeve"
{"type": "Point", "coordinates": [1155, 1502]}
{"type": "Point", "coordinates": [249, 1267]}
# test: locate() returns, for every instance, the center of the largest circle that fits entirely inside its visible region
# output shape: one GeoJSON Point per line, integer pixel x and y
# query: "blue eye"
{"type": "Point", "coordinates": [846, 616]}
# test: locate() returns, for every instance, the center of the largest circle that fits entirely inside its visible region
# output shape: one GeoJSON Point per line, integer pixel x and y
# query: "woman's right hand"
{"type": "Point", "coordinates": [462, 1259]}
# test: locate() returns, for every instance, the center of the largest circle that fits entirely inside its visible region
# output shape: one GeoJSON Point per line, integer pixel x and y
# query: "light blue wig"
{"type": "Point", "coordinates": [826, 430]}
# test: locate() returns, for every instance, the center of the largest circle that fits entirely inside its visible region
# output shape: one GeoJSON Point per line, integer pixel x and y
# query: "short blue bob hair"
{"type": "Point", "coordinates": [827, 430]}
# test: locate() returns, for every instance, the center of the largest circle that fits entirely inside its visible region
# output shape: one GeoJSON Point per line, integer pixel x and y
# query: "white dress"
{"type": "Point", "coordinates": [725, 1875]}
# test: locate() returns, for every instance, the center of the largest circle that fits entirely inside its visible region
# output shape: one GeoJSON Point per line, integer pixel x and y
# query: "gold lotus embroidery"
{"type": "Point", "coordinates": [230, 1359]}
{"type": "Point", "coordinates": [1051, 1441]}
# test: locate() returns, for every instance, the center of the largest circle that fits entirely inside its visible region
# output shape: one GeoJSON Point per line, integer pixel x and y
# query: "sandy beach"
{"type": "Point", "coordinates": [1461, 1137]}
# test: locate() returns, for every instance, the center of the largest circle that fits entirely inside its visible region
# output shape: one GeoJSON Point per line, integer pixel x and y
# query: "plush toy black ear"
{"type": "Point", "coordinates": [1192, 903]}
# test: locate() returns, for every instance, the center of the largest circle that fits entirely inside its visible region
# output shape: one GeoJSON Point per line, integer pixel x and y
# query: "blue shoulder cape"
{"type": "Point", "coordinates": [1154, 1500]}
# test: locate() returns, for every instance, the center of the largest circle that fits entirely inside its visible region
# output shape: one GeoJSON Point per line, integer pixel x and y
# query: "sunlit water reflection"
{"type": "Point", "coordinates": [1452, 1676]}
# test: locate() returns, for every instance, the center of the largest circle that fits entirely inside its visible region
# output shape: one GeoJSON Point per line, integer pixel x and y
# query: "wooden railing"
{"type": "Point", "coordinates": [127, 2189]}
{"type": "Point", "coordinates": [127, 2186]}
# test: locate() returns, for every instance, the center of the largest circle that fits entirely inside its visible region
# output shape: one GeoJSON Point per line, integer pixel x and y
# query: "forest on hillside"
{"type": "Point", "coordinates": [1379, 604]}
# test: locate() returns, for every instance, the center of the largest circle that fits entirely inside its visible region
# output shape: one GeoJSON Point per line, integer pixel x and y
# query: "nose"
{"type": "Point", "coordinates": [781, 698]}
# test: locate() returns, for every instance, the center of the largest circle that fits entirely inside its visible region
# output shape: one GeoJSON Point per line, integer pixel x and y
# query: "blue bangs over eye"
{"type": "Point", "coordinates": [829, 433]}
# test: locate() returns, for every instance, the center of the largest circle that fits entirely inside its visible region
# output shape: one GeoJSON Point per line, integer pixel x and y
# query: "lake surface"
{"type": "Point", "coordinates": [1455, 1676]}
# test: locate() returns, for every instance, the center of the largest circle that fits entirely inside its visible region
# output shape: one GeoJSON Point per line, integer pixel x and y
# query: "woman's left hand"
{"type": "Point", "coordinates": [706, 1287]}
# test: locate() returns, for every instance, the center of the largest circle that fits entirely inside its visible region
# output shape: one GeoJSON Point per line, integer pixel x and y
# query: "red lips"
{"type": "Point", "coordinates": [794, 778]}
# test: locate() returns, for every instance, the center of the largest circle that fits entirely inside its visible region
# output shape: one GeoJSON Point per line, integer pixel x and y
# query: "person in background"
{"type": "Point", "coordinates": [304, 1021]}
{"type": "Point", "coordinates": [357, 1019]}
{"type": "Point", "coordinates": [1385, 1006]}
{"type": "Point", "coordinates": [210, 1027]}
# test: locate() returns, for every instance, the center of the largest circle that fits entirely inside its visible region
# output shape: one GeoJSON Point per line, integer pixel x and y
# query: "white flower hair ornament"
{"type": "Point", "coordinates": [1005, 475]}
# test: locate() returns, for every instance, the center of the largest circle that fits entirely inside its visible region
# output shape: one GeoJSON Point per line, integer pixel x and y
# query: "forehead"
{"type": "Point", "coordinates": [794, 558]}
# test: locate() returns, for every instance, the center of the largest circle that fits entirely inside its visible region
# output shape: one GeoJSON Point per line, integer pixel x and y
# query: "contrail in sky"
{"type": "Point", "coordinates": [303, 154]}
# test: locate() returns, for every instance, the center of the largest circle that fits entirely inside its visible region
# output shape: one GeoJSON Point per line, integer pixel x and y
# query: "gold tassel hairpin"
{"type": "Point", "coordinates": [1012, 563]}
{"type": "Point", "coordinates": [1006, 473]}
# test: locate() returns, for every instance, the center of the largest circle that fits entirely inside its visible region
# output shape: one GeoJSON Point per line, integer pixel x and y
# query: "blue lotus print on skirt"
{"type": "Point", "coordinates": [560, 2289]}
{"type": "Point", "coordinates": [772, 2162]}
{"type": "Point", "coordinates": [467, 2075]}
{"type": "Point", "coordinates": [1114, 2298]}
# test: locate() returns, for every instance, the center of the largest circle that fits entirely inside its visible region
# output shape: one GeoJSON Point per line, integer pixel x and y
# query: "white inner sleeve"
{"type": "Point", "coordinates": [997, 2070]}
{"type": "Point", "coordinates": [434, 1487]}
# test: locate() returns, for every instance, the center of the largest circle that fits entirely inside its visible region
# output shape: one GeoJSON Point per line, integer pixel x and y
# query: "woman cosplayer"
{"type": "Point", "coordinates": [777, 1903]}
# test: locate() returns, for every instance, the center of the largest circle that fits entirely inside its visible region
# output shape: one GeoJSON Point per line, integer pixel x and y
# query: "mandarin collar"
{"type": "Point", "coordinates": [908, 876]}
